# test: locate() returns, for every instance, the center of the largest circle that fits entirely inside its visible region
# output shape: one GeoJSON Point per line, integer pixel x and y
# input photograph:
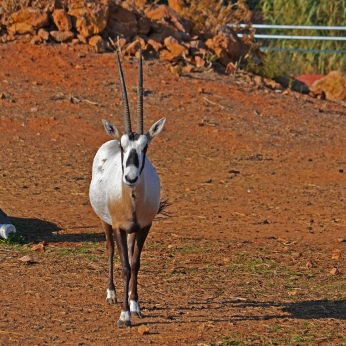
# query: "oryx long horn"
{"type": "Point", "coordinates": [140, 95]}
{"type": "Point", "coordinates": [127, 119]}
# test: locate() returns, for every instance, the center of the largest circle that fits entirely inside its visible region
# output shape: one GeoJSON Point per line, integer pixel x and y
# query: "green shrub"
{"type": "Point", "coordinates": [308, 12]}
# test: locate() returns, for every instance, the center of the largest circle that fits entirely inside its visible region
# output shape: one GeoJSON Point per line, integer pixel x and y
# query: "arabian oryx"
{"type": "Point", "coordinates": [125, 194]}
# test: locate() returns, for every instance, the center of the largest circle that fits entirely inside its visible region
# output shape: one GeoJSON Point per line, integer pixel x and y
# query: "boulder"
{"type": "Point", "coordinates": [175, 47]}
{"type": "Point", "coordinates": [122, 22]}
{"type": "Point", "coordinates": [89, 19]}
{"type": "Point", "coordinates": [31, 16]}
{"type": "Point", "coordinates": [62, 20]}
{"type": "Point", "coordinates": [177, 5]}
{"type": "Point", "coordinates": [333, 86]}
{"type": "Point", "coordinates": [62, 36]}
{"type": "Point", "coordinates": [24, 15]}
{"type": "Point", "coordinates": [162, 31]}
{"type": "Point", "coordinates": [40, 19]}
{"type": "Point", "coordinates": [143, 25]}
{"type": "Point", "coordinates": [21, 28]}
{"type": "Point", "coordinates": [164, 14]}
{"type": "Point", "coordinates": [228, 48]}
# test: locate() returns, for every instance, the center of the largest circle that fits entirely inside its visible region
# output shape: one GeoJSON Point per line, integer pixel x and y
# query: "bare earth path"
{"type": "Point", "coordinates": [257, 182]}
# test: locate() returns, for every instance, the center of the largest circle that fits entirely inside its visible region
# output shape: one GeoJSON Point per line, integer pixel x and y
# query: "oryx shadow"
{"type": "Point", "coordinates": [310, 309]}
{"type": "Point", "coordinates": [37, 230]}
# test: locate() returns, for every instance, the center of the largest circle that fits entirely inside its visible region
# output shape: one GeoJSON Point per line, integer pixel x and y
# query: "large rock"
{"type": "Point", "coordinates": [32, 16]}
{"type": "Point", "coordinates": [165, 23]}
{"type": "Point", "coordinates": [62, 20]}
{"type": "Point", "coordinates": [21, 28]}
{"type": "Point", "coordinates": [89, 19]}
{"type": "Point", "coordinates": [175, 47]}
{"type": "Point", "coordinates": [177, 5]}
{"type": "Point", "coordinates": [122, 22]}
{"type": "Point", "coordinates": [40, 19]}
{"type": "Point", "coordinates": [333, 86]}
{"type": "Point", "coordinates": [143, 25]}
{"type": "Point", "coordinates": [164, 14]}
{"type": "Point", "coordinates": [228, 48]}
{"type": "Point", "coordinates": [62, 36]}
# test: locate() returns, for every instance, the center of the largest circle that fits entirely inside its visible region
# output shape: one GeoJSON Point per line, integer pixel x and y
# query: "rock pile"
{"type": "Point", "coordinates": [155, 28]}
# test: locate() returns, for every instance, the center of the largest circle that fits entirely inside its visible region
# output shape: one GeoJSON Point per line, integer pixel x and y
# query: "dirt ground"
{"type": "Point", "coordinates": [256, 181]}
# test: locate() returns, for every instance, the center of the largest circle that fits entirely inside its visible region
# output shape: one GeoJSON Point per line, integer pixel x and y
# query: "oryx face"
{"type": "Point", "coordinates": [133, 148]}
{"type": "Point", "coordinates": [133, 151]}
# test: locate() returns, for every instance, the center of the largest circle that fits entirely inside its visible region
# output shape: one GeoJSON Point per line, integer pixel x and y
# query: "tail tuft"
{"type": "Point", "coordinates": [164, 204]}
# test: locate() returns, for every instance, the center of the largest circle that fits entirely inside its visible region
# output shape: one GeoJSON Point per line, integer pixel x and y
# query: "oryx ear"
{"type": "Point", "coordinates": [156, 129]}
{"type": "Point", "coordinates": [112, 130]}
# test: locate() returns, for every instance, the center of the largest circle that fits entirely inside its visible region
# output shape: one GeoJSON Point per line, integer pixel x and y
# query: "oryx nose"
{"type": "Point", "coordinates": [131, 180]}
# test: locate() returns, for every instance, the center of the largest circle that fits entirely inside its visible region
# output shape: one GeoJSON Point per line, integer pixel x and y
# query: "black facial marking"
{"type": "Point", "coordinates": [133, 136]}
{"type": "Point", "coordinates": [132, 159]}
{"type": "Point", "coordinates": [144, 154]}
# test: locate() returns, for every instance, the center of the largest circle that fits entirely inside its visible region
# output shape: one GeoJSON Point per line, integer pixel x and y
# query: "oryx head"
{"type": "Point", "coordinates": [133, 145]}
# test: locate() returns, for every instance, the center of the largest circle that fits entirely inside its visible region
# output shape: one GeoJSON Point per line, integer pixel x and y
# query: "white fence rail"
{"type": "Point", "coordinates": [296, 37]}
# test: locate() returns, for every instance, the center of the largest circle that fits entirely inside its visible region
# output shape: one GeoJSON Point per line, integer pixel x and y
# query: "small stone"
{"type": "Point", "coordinates": [27, 259]}
{"type": "Point", "coordinates": [44, 34]}
{"type": "Point", "coordinates": [142, 330]}
{"type": "Point", "coordinates": [308, 265]}
{"type": "Point", "coordinates": [336, 254]}
{"type": "Point", "coordinates": [200, 90]}
{"type": "Point", "coordinates": [38, 248]}
{"type": "Point", "coordinates": [156, 45]}
{"type": "Point", "coordinates": [82, 39]}
{"type": "Point", "coordinates": [98, 43]}
{"type": "Point", "coordinates": [230, 68]}
{"type": "Point", "coordinates": [36, 40]}
{"type": "Point", "coordinates": [200, 62]}
{"type": "Point", "coordinates": [258, 80]}
{"type": "Point", "coordinates": [62, 36]}
{"type": "Point", "coordinates": [188, 69]}
{"type": "Point", "coordinates": [296, 254]}
{"type": "Point", "coordinates": [334, 271]}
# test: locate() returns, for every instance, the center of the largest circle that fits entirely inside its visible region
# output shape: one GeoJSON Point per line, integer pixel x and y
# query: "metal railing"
{"type": "Point", "coordinates": [296, 37]}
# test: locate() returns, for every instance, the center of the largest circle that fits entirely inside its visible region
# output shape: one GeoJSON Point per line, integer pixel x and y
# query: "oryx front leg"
{"type": "Point", "coordinates": [121, 241]}
{"type": "Point", "coordinates": [111, 293]}
{"type": "Point", "coordinates": [135, 250]}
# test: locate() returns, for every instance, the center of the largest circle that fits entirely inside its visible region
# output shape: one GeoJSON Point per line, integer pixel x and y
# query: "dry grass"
{"type": "Point", "coordinates": [211, 15]}
{"type": "Point", "coordinates": [10, 7]}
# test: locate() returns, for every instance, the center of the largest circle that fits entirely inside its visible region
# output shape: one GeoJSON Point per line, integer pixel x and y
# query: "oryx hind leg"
{"type": "Point", "coordinates": [111, 293]}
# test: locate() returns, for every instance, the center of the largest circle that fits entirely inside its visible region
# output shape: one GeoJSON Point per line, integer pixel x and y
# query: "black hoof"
{"type": "Point", "coordinates": [136, 314]}
{"type": "Point", "coordinates": [122, 324]}
{"type": "Point", "coordinates": [111, 300]}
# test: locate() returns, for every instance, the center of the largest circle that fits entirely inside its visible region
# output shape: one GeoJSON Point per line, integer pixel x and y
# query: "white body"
{"type": "Point", "coordinates": [116, 203]}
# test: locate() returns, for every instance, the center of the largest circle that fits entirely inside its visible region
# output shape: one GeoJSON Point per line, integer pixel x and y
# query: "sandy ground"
{"type": "Point", "coordinates": [256, 180]}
